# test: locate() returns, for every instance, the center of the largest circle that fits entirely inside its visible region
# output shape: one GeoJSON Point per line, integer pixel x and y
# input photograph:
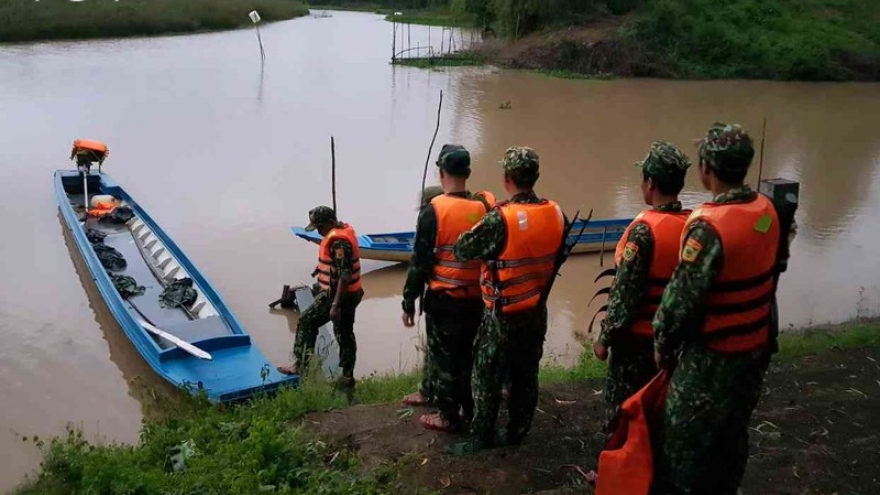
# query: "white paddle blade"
{"type": "Point", "coordinates": [183, 345]}
{"type": "Point", "coordinates": [255, 16]}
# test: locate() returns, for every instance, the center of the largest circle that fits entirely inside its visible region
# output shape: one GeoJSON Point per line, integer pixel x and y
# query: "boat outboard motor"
{"type": "Point", "coordinates": [784, 194]}
{"type": "Point", "coordinates": [88, 152]}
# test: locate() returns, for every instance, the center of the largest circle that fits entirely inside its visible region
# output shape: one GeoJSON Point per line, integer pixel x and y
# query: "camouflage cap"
{"type": "Point", "coordinates": [727, 147]}
{"type": "Point", "coordinates": [664, 160]}
{"type": "Point", "coordinates": [455, 159]}
{"type": "Point", "coordinates": [521, 161]}
{"type": "Point", "coordinates": [320, 215]}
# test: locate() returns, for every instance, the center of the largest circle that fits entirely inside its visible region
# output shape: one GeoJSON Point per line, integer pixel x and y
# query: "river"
{"type": "Point", "coordinates": [227, 155]}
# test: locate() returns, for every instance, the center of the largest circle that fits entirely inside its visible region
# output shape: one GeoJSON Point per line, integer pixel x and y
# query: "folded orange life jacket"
{"type": "Point", "coordinates": [626, 464]}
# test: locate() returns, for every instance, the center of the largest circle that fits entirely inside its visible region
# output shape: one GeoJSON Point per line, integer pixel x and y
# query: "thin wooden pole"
{"type": "Point", "coordinates": [431, 148]}
{"type": "Point", "coordinates": [333, 172]}
{"type": "Point", "coordinates": [761, 160]}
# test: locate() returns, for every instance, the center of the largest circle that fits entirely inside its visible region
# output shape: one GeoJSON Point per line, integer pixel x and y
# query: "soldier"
{"type": "Point", "coordinates": [646, 256]}
{"type": "Point", "coordinates": [518, 241]}
{"type": "Point", "coordinates": [452, 302]}
{"type": "Point", "coordinates": [424, 396]}
{"type": "Point", "coordinates": [340, 292]}
{"type": "Point", "coordinates": [714, 317]}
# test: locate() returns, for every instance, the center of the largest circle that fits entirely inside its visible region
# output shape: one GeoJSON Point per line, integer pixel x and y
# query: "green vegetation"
{"type": "Point", "coordinates": [434, 18]}
{"type": "Point", "coordinates": [775, 39]}
{"type": "Point", "coordinates": [242, 449]}
{"type": "Point", "coordinates": [261, 446]}
{"type": "Point", "coordinates": [27, 20]}
{"type": "Point", "coordinates": [460, 59]}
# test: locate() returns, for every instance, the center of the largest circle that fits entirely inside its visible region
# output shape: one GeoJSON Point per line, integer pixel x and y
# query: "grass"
{"type": "Point", "coordinates": [433, 17]}
{"type": "Point", "coordinates": [260, 446]}
{"type": "Point", "coordinates": [773, 39]}
{"type": "Point", "coordinates": [567, 74]}
{"type": "Point", "coordinates": [455, 60]}
{"type": "Point", "coordinates": [27, 20]}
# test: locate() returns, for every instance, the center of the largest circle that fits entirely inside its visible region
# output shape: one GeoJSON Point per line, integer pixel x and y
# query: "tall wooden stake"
{"type": "Point", "coordinates": [761, 159]}
{"type": "Point", "coordinates": [430, 148]}
{"type": "Point", "coordinates": [333, 172]}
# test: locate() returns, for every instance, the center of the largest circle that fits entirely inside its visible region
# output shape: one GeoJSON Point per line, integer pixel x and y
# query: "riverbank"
{"type": "Point", "coordinates": [814, 432]}
{"type": "Point", "coordinates": [811, 40]}
{"type": "Point", "coordinates": [26, 20]}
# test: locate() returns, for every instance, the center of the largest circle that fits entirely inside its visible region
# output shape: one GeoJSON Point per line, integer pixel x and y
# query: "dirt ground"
{"type": "Point", "coordinates": [816, 431]}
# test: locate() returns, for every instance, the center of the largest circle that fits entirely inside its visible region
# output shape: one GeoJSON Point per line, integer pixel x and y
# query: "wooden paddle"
{"type": "Point", "coordinates": [183, 345]}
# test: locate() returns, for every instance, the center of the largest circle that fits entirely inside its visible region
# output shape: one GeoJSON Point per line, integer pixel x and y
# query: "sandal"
{"type": "Point", "coordinates": [416, 399]}
{"type": "Point", "coordinates": [437, 423]}
{"type": "Point", "coordinates": [289, 370]}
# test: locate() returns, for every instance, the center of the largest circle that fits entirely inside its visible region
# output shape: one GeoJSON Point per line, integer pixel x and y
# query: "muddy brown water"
{"type": "Point", "coordinates": [227, 157]}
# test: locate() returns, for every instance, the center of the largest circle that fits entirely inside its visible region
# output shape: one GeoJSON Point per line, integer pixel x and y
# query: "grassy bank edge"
{"type": "Point", "coordinates": [134, 27]}
{"type": "Point", "coordinates": [424, 17]}
{"type": "Point", "coordinates": [71, 460]}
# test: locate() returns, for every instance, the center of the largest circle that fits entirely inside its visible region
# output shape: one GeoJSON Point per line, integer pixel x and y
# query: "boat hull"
{"type": "Point", "coordinates": [599, 235]}
{"type": "Point", "coordinates": [237, 370]}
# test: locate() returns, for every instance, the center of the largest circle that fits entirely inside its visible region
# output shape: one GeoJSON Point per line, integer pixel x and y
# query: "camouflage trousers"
{"type": "Point", "coordinates": [451, 328]}
{"type": "Point", "coordinates": [630, 367]}
{"type": "Point", "coordinates": [317, 315]}
{"type": "Point", "coordinates": [515, 344]}
{"type": "Point", "coordinates": [429, 373]}
{"type": "Point", "coordinates": [703, 443]}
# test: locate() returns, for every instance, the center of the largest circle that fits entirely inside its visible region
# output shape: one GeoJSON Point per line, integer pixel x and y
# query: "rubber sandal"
{"type": "Point", "coordinates": [437, 423]}
{"type": "Point", "coordinates": [416, 399]}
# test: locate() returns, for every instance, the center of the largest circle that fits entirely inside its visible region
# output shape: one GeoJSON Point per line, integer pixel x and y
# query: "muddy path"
{"type": "Point", "coordinates": [816, 431]}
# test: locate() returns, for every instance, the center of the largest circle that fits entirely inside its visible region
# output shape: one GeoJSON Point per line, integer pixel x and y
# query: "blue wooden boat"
{"type": "Point", "coordinates": [398, 246]}
{"type": "Point", "coordinates": [231, 367]}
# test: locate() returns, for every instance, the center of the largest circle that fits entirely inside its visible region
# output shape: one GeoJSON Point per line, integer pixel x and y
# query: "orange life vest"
{"type": "Point", "coordinates": [626, 464]}
{"type": "Point", "coordinates": [459, 279]}
{"type": "Point", "coordinates": [519, 276]}
{"type": "Point", "coordinates": [102, 209]}
{"type": "Point", "coordinates": [327, 275]}
{"type": "Point", "coordinates": [665, 229]}
{"type": "Point", "coordinates": [737, 305]}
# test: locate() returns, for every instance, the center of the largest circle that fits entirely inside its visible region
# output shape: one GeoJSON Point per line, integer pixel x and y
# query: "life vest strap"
{"type": "Point", "coordinates": [452, 281]}
{"type": "Point", "coordinates": [745, 284]}
{"type": "Point", "coordinates": [459, 265]}
{"type": "Point", "coordinates": [741, 307]}
{"type": "Point", "coordinates": [501, 264]}
{"type": "Point", "coordinates": [513, 299]}
{"type": "Point", "coordinates": [736, 330]}
{"type": "Point", "coordinates": [516, 280]}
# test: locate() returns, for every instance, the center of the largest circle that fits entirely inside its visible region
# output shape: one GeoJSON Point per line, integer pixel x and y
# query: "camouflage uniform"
{"type": "Point", "coordinates": [512, 343]}
{"type": "Point", "coordinates": [429, 372]}
{"type": "Point", "coordinates": [631, 363]}
{"type": "Point", "coordinates": [451, 324]}
{"type": "Point", "coordinates": [703, 437]}
{"type": "Point", "coordinates": [318, 314]}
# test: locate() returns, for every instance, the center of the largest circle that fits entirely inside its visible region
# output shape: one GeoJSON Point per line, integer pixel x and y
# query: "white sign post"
{"type": "Point", "coordinates": [255, 18]}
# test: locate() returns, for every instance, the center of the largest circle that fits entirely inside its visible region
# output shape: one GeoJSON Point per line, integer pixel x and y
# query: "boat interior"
{"type": "Point", "coordinates": [153, 267]}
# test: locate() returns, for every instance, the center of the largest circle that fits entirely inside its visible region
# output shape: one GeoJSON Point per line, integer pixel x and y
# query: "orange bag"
{"type": "Point", "coordinates": [626, 464]}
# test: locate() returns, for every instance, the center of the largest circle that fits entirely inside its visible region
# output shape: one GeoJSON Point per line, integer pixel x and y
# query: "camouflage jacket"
{"type": "Point", "coordinates": [675, 320]}
{"type": "Point", "coordinates": [342, 253]}
{"type": "Point", "coordinates": [421, 264]}
{"type": "Point", "coordinates": [631, 280]}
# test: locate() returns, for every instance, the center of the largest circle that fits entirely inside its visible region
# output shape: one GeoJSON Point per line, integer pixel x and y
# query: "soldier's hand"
{"type": "Point", "coordinates": [600, 351]}
{"type": "Point", "coordinates": [408, 319]}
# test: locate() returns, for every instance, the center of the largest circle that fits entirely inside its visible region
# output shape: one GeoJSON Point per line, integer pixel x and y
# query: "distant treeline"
{"type": "Point", "coordinates": [28, 20]}
{"type": "Point", "coordinates": [512, 18]}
